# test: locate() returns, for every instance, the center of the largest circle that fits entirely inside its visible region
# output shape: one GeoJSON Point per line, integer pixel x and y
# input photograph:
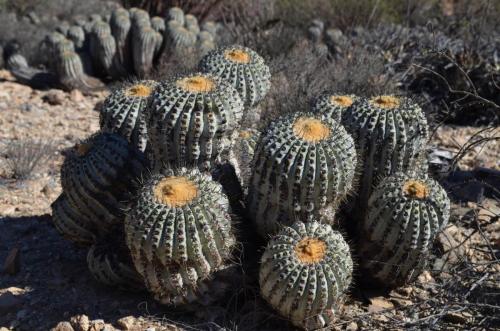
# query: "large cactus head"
{"type": "Point", "coordinates": [404, 215]}
{"type": "Point", "coordinates": [123, 112]}
{"type": "Point", "coordinates": [191, 119]}
{"type": "Point", "coordinates": [333, 105]}
{"type": "Point", "coordinates": [303, 162]}
{"type": "Point", "coordinates": [179, 233]}
{"type": "Point", "coordinates": [243, 68]}
{"type": "Point", "coordinates": [305, 270]}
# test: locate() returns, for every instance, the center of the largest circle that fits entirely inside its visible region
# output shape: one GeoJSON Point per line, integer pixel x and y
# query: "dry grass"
{"type": "Point", "coordinates": [23, 158]}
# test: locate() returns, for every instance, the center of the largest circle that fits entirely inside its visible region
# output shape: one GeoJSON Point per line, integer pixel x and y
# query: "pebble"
{"type": "Point", "coordinates": [353, 326]}
{"type": "Point", "coordinates": [63, 326]}
{"type": "Point", "coordinates": [80, 322]}
{"type": "Point", "coordinates": [54, 97]}
{"type": "Point", "coordinates": [126, 323]}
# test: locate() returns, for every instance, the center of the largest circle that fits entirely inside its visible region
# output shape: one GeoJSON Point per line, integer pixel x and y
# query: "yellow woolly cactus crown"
{"type": "Point", "coordinates": [175, 191]}
{"type": "Point", "coordinates": [237, 55]}
{"type": "Point", "coordinates": [310, 250]}
{"type": "Point", "coordinates": [139, 90]}
{"type": "Point", "coordinates": [196, 84]}
{"type": "Point", "coordinates": [310, 129]}
{"type": "Point", "coordinates": [415, 189]}
{"type": "Point", "coordinates": [385, 101]}
{"type": "Point", "coordinates": [341, 100]}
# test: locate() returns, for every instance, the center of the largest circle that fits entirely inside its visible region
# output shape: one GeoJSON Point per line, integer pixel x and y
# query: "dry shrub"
{"type": "Point", "coordinates": [23, 157]}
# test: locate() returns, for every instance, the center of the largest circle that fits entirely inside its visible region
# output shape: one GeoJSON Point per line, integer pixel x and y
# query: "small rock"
{"type": "Point", "coordinates": [425, 277]}
{"type": "Point", "coordinates": [12, 262]}
{"type": "Point", "coordinates": [378, 304]}
{"type": "Point", "coordinates": [3, 328]}
{"type": "Point", "coordinates": [10, 299]}
{"type": "Point", "coordinates": [97, 325]}
{"type": "Point", "coordinates": [457, 317]}
{"type": "Point", "coordinates": [76, 96]}
{"type": "Point", "coordinates": [54, 97]}
{"type": "Point", "coordinates": [401, 302]}
{"type": "Point", "coordinates": [108, 327]}
{"type": "Point", "coordinates": [63, 326]}
{"type": "Point", "coordinates": [353, 326]}
{"type": "Point", "coordinates": [126, 323]}
{"type": "Point", "coordinates": [80, 322]}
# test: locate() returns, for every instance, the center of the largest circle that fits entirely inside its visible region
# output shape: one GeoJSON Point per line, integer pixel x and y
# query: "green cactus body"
{"type": "Point", "coordinates": [64, 45]}
{"type": "Point", "coordinates": [210, 27]}
{"type": "Point", "coordinates": [205, 36]}
{"type": "Point", "coordinates": [63, 28]}
{"type": "Point", "coordinates": [181, 38]}
{"type": "Point", "coordinates": [243, 68]}
{"type": "Point", "coordinates": [77, 36]}
{"type": "Point", "coordinates": [123, 112]}
{"type": "Point", "coordinates": [71, 223]}
{"type": "Point", "coordinates": [303, 163]}
{"type": "Point", "coordinates": [333, 105]}
{"type": "Point", "coordinates": [102, 47]}
{"type": "Point", "coordinates": [242, 152]}
{"type": "Point", "coordinates": [120, 28]}
{"type": "Point", "coordinates": [140, 18]}
{"type": "Point", "coordinates": [404, 215]}
{"type": "Point", "coordinates": [389, 132]}
{"type": "Point", "coordinates": [98, 176]}
{"type": "Point", "coordinates": [176, 14]}
{"type": "Point", "coordinates": [110, 263]}
{"type": "Point", "coordinates": [191, 23]}
{"type": "Point", "coordinates": [304, 273]}
{"type": "Point", "coordinates": [70, 71]}
{"type": "Point", "coordinates": [158, 24]}
{"type": "Point", "coordinates": [206, 46]}
{"type": "Point", "coordinates": [179, 234]}
{"type": "Point", "coordinates": [144, 43]}
{"type": "Point", "coordinates": [191, 120]}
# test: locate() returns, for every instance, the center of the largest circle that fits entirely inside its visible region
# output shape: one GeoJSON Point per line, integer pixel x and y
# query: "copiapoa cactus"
{"type": "Point", "coordinates": [123, 112]}
{"type": "Point", "coordinates": [242, 68]}
{"type": "Point", "coordinates": [404, 215]}
{"type": "Point", "coordinates": [179, 234]}
{"type": "Point", "coordinates": [303, 162]}
{"type": "Point", "coordinates": [389, 132]}
{"type": "Point", "coordinates": [305, 270]}
{"type": "Point", "coordinates": [333, 105]}
{"type": "Point", "coordinates": [98, 177]}
{"type": "Point", "coordinates": [144, 43]}
{"type": "Point", "coordinates": [191, 120]}
{"type": "Point", "coordinates": [110, 263]}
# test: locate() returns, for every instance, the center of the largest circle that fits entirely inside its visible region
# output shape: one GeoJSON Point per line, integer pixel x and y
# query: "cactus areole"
{"type": "Point", "coordinates": [385, 101]}
{"type": "Point", "coordinates": [341, 100]}
{"type": "Point", "coordinates": [415, 189]}
{"type": "Point", "coordinates": [196, 84]}
{"type": "Point", "coordinates": [237, 55]}
{"type": "Point", "coordinates": [139, 90]}
{"type": "Point", "coordinates": [310, 250]}
{"type": "Point", "coordinates": [310, 129]}
{"type": "Point", "coordinates": [82, 149]}
{"type": "Point", "coordinates": [175, 191]}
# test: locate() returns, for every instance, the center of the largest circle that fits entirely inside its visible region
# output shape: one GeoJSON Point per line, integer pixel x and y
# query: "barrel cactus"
{"type": "Point", "coordinates": [110, 263]}
{"type": "Point", "coordinates": [303, 163]}
{"type": "Point", "coordinates": [176, 14]}
{"type": "Point", "coordinates": [389, 131]}
{"type": "Point", "coordinates": [123, 112]}
{"type": "Point", "coordinates": [179, 234]}
{"type": "Point", "coordinates": [304, 273]}
{"type": "Point", "coordinates": [404, 215]}
{"type": "Point", "coordinates": [191, 120]}
{"type": "Point", "coordinates": [71, 223]}
{"type": "Point", "coordinates": [243, 68]}
{"type": "Point", "coordinates": [333, 105]}
{"type": "Point", "coordinates": [98, 176]}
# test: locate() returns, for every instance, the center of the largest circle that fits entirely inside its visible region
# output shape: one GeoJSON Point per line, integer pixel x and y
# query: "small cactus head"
{"type": "Point", "coordinates": [139, 90]}
{"type": "Point", "coordinates": [196, 84]}
{"type": "Point", "coordinates": [237, 56]}
{"type": "Point", "coordinates": [415, 189]}
{"type": "Point", "coordinates": [245, 134]}
{"type": "Point", "coordinates": [310, 250]}
{"type": "Point", "coordinates": [175, 191]}
{"type": "Point", "coordinates": [341, 100]}
{"type": "Point", "coordinates": [385, 101]}
{"type": "Point", "coordinates": [82, 148]}
{"type": "Point", "coordinates": [310, 129]}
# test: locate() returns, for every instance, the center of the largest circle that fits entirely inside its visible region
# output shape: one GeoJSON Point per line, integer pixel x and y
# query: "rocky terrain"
{"type": "Point", "coordinates": [45, 284]}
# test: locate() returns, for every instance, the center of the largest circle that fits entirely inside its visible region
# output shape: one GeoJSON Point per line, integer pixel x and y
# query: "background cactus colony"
{"type": "Point", "coordinates": [175, 219]}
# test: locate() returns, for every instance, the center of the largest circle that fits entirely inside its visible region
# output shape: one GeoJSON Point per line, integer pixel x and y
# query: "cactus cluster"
{"type": "Point", "coordinates": [347, 161]}
{"type": "Point", "coordinates": [127, 43]}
